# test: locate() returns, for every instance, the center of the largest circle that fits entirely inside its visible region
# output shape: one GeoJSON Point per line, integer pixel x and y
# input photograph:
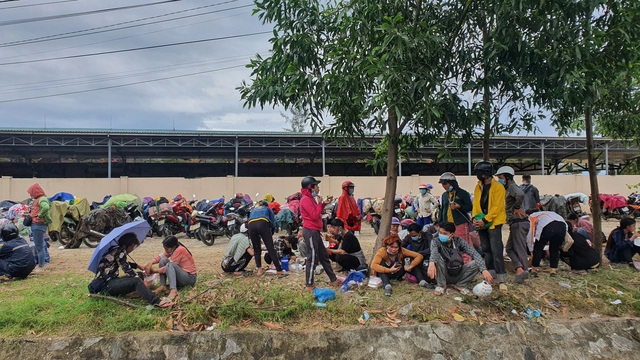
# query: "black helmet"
{"type": "Point", "coordinates": [309, 180]}
{"type": "Point", "coordinates": [9, 232]}
{"type": "Point", "coordinates": [483, 168]}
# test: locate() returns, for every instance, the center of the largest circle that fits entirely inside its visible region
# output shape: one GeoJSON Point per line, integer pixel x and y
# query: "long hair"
{"type": "Point", "coordinates": [172, 242]}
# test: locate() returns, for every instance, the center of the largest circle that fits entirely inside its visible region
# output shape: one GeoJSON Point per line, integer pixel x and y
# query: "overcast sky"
{"type": "Point", "coordinates": [92, 91]}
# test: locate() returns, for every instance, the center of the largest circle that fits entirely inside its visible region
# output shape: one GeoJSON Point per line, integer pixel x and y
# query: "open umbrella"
{"type": "Point", "coordinates": [139, 228]}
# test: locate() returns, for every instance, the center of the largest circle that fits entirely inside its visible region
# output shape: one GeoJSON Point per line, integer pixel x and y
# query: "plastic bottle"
{"type": "Point", "coordinates": [285, 263]}
{"type": "Point", "coordinates": [407, 261]}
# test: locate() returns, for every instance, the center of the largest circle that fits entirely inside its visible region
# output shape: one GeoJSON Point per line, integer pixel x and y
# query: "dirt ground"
{"type": "Point", "coordinates": [207, 258]}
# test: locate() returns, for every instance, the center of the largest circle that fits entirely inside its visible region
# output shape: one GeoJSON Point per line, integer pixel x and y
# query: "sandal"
{"type": "Point", "coordinates": [439, 291]}
{"type": "Point", "coordinates": [282, 274]}
{"type": "Point", "coordinates": [464, 291]}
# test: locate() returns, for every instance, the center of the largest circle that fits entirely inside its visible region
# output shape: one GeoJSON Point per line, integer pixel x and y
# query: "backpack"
{"type": "Point", "coordinates": [452, 259]}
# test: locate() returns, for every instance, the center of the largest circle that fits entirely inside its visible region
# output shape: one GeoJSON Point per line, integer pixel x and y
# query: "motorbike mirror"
{"type": "Point", "coordinates": [194, 196]}
{"type": "Point", "coordinates": [257, 194]}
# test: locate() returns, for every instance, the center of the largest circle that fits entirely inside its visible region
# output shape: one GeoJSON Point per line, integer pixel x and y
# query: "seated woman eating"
{"type": "Point", "coordinates": [446, 264]}
{"type": "Point", "coordinates": [176, 265]}
{"type": "Point", "coordinates": [621, 245]}
{"type": "Point", "coordinates": [389, 263]}
{"type": "Point", "coordinates": [108, 281]}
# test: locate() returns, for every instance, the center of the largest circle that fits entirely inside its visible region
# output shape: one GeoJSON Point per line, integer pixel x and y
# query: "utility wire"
{"type": "Point", "coordinates": [123, 37]}
{"type": "Point", "coordinates": [56, 83]}
{"type": "Point", "coordinates": [140, 48]}
{"type": "Point", "coordinates": [82, 32]}
{"type": "Point", "coordinates": [62, 16]}
{"type": "Point", "coordinates": [121, 85]}
{"type": "Point", "coordinates": [29, 5]}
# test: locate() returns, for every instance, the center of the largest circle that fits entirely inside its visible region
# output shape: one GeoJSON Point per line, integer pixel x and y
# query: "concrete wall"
{"type": "Point", "coordinates": [280, 187]}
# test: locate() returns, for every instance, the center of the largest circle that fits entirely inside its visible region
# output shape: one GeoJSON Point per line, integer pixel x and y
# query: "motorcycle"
{"type": "Point", "coordinates": [235, 218]}
{"type": "Point", "coordinates": [209, 224]}
{"type": "Point", "coordinates": [614, 206]}
{"type": "Point", "coordinates": [67, 230]}
{"type": "Point", "coordinates": [174, 218]}
{"type": "Point", "coordinates": [100, 221]}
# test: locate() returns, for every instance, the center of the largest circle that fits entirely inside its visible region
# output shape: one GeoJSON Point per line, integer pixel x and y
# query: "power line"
{"type": "Point", "coordinates": [62, 16]}
{"type": "Point", "coordinates": [136, 49]}
{"type": "Point", "coordinates": [121, 85]}
{"type": "Point", "coordinates": [30, 5]}
{"type": "Point", "coordinates": [82, 32]}
{"type": "Point", "coordinates": [80, 80]}
{"type": "Point", "coordinates": [123, 37]}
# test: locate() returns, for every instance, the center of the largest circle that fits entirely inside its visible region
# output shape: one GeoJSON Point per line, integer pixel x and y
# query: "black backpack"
{"type": "Point", "coordinates": [452, 259]}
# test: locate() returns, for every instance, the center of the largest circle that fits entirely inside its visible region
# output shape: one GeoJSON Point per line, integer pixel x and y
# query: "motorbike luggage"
{"type": "Point", "coordinates": [165, 208]}
{"type": "Point", "coordinates": [153, 211]}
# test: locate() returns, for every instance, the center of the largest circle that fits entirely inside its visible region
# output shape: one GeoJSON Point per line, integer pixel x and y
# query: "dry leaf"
{"type": "Point", "coordinates": [374, 311]}
{"type": "Point", "coordinates": [245, 323]}
{"type": "Point", "coordinates": [392, 315]}
{"type": "Point", "coordinates": [394, 325]}
{"type": "Point", "coordinates": [315, 324]}
{"type": "Point", "coordinates": [454, 309]}
{"type": "Point", "coordinates": [170, 324]}
{"type": "Point", "coordinates": [361, 321]}
{"type": "Point", "coordinates": [272, 326]}
{"type": "Point", "coordinates": [457, 317]}
{"type": "Point", "coordinates": [564, 311]}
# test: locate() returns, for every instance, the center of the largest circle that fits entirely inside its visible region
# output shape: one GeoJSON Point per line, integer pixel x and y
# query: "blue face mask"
{"type": "Point", "coordinates": [450, 189]}
{"type": "Point", "coordinates": [423, 191]}
{"type": "Point", "coordinates": [501, 181]}
{"type": "Point", "coordinates": [339, 233]}
{"type": "Point", "coordinates": [415, 238]}
{"type": "Point", "coordinates": [314, 194]}
{"type": "Point", "coordinates": [443, 238]}
{"type": "Point", "coordinates": [350, 191]}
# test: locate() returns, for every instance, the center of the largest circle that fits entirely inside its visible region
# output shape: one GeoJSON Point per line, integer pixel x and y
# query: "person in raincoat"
{"type": "Point", "coordinates": [348, 210]}
{"type": "Point", "coordinates": [16, 258]}
{"type": "Point", "coordinates": [41, 220]}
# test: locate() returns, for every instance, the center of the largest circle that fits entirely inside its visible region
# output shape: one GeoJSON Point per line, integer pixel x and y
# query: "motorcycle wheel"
{"type": "Point", "coordinates": [208, 239]}
{"type": "Point", "coordinates": [165, 231]}
{"type": "Point", "coordinates": [91, 241]}
{"type": "Point", "coordinates": [66, 235]}
{"type": "Point", "coordinates": [54, 236]}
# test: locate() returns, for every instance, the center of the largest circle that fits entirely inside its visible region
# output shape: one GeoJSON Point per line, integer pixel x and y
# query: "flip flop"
{"type": "Point", "coordinates": [284, 274]}
{"type": "Point", "coordinates": [439, 291]}
{"type": "Point", "coordinates": [164, 304]}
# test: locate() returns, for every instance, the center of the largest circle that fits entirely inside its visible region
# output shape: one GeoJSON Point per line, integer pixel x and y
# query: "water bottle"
{"type": "Point", "coordinates": [407, 261]}
{"type": "Point", "coordinates": [285, 263]}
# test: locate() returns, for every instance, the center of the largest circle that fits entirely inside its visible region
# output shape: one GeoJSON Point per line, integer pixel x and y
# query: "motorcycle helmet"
{"type": "Point", "coordinates": [309, 181]}
{"type": "Point", "coordinates": [422, 186]}
{"type": "Point", "coordinates": [395, 221]}
{"type": "Point", "coordinates": [482, 289]}
{"type": "Point", "coordinates": [406, 222]}
{"type": "Point", "coordinates": [507, 171]}
{"type": "Point", "coordinates": [483, 168]}
{"type": "Point", "coordinates": [9, 232]}
{"type": "Point", "coordinates": [348, 184]}
{"type": "Point", "coordinates": [447, 177]}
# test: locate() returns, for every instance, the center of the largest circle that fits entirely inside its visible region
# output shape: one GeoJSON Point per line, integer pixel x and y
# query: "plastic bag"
{"type": "Point", "coordinates": [324, 295]}
{"type": "Point", "coordinates": [152, 280]}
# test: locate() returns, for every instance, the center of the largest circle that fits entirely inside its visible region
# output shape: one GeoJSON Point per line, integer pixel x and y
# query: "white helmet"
{"type": "Point", "coordinates": [506, 170]}
{"type": "Point", "coordinates": [482, 289]}
{"type": "Point", "coordinates": [243, 228]}
{"type": "Point", "coordinates": [446, 177]}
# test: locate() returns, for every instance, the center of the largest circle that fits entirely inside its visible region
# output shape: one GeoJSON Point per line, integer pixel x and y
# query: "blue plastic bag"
{"type": "Point", "coordinates": [324, 295]}
{"type": "Point", "coordinates": [353, 276]}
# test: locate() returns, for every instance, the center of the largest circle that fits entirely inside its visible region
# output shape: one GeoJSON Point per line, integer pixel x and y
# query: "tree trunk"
{"type": "Point", "coordinates": [486, 103]}
{"type": "Point", "coordinates": [392, 180]}
{"type": "Point", "coordinates": [596, 211]}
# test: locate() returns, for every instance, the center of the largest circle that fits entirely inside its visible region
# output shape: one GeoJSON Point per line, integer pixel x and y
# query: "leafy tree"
{"type": "Point", "coordinates": [376, 67]}
{"type": "Point", "coordinates": [588, 69]}
{"type": "Point", "coordinates": [297, 121]}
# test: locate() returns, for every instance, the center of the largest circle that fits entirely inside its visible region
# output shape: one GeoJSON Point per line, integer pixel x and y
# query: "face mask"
{"type": "Point", "coordinates": [392, 252]}
{"type": "Point", "coordinates": [450, 189]}
{"type": "Point", "coordinates": [501, 181]}
{"type": "Point", "coordinates": [350, 191]}
{"type": "Point", "coordinates": [423, 191]}
{"type": "Point", "coordinates": [480, 177]}
{"type": "Point", "coordinates": [339, 233]}
{"type": "Point", "coordinates": [314, 194]}
{"type": "Point", "coordinates": [415, 238]}
{"type": "Point", "coordinates": [443, 238]}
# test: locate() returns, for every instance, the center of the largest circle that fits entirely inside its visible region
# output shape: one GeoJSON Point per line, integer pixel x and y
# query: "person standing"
{"type": "Point", "coordinates": [489, 215]}
{"type": "Point", "coordinates": [262, 225]}
{"type": "Point", "coordinates": [518, 222]}
{"type": "Point", "coordinates": [424, 204]}
{"type": "Point", "coordinates": [531, 195]}
{"type": "Point", "coordinates": [311, 208]}
{"type": "Point", "coordinates": [40, 222]}
{"type": "Point", "coordinates": [348, 210]}
{"type": "Point", "coordinates": [456, 205]}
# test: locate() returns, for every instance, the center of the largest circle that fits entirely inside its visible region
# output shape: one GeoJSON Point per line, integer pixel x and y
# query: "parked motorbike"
{"type": "Point", "coordinates": [614, 206]}
{"type": "Point", "coordinates": [209, 224]}
{"type": "Point", "coordinates": [67, 230]}
{"type": "Point", "coordinates": [235, 218]}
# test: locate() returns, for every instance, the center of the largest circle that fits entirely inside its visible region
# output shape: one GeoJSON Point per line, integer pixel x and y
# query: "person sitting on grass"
{"type": "Point", "coordinates": [348, 253]}
{"type": "Point", "coordinates": [447, 266]}
{"type": "Point", "coordinates": [16, 258]}
{"type": "Point", "coordinates": [108, 277]}
{"type": "Point", "coordinates": [390, 262]}
{"type": "Point", "coordinates": [239, 253]}
{"type": "Point", "coordinates": [284, 247]}
{"type": "Point", "coordinates": [621, 246]}
{"type": "Point", "coordinates": [175, 265]}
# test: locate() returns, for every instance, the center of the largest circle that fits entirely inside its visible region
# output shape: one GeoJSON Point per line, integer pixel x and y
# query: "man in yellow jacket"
{"type": "Point", "coordinates": [489, 215]}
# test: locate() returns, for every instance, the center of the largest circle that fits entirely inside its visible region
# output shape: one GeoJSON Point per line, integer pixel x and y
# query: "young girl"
{"type": "Point", "coordinates": [176, 265]}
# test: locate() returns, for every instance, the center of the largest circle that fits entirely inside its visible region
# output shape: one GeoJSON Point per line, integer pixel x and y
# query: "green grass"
{"type": "Point", "coordinates": [49, 305]}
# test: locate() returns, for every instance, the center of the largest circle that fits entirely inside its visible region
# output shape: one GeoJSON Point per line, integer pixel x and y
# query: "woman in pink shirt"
{"type": "Point", "coordinates": [176, 264]}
